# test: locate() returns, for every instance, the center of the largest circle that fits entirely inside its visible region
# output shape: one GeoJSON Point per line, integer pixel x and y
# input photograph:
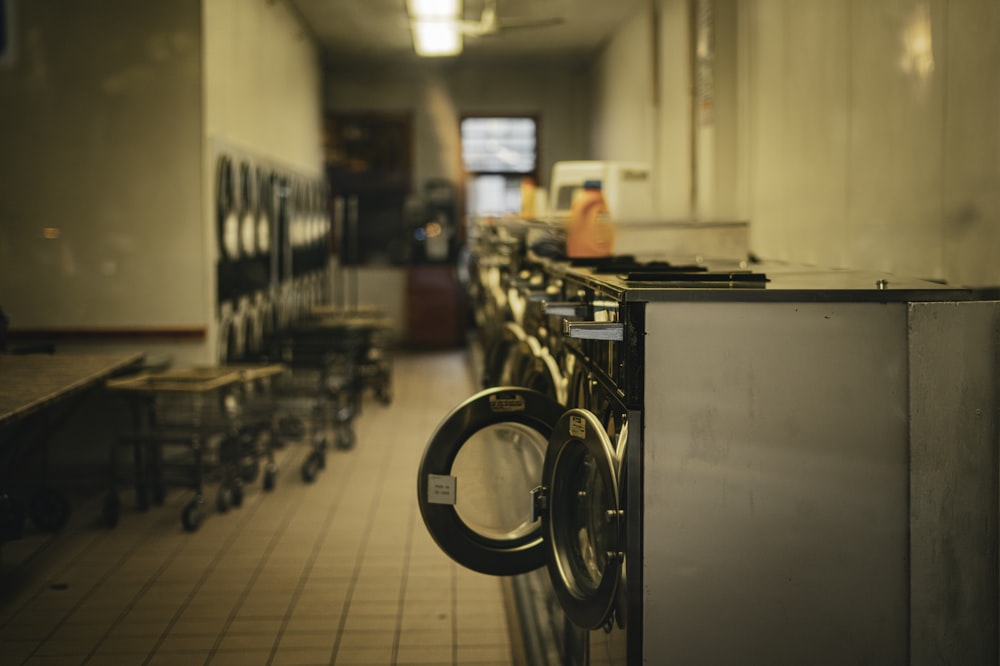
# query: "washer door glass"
{"type": "Point", "coordinates": [582, 524]}
{"type": "Point", "coordinates": [475, 482]}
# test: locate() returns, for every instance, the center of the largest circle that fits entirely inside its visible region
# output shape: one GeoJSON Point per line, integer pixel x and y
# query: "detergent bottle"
{"type": "Point", "coordinates": [589, 233]}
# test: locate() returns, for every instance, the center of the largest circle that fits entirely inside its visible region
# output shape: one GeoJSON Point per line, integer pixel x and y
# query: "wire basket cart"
{"type": "Point", "coordinates": [331, 360]}
{"type": "Point", "coordinates": [186, 426]}
{"type": "Point", "coordinates": [375, 366]}
{"type": "Point", "coordinates": [257, 429]}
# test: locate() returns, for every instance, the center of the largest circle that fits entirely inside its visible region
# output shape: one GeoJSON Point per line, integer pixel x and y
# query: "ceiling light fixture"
{"type": "Point", "coordinates": [435, 27]}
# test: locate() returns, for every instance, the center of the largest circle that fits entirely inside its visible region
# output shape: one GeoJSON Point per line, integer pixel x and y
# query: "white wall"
{"type": "Point", "coordinates": [866, 133]}
{"type": "Point", "coordinates": [876, 134]}
{"type": "Point", "coordinates": [263, 83]}
{"type": "Point", "coordinates": [642, 99]}
{"type": "Point", "coordinates": [99, 128]}
{"type": "Point", "coordinates": [108, 119]}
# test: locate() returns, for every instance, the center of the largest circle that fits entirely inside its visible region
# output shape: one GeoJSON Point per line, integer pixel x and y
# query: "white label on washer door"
{"type": "Point", "coordinates": [440, 489]}
{"type": "Point", "coordinates": [511, 403]}
{"type": "Point", "coordinates": [577, 427]}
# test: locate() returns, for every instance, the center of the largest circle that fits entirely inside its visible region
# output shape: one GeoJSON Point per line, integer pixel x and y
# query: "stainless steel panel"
{"type": "Point", "coordinates": [953, 483]}
{"type": "Point", "coordinates": [775, 484]}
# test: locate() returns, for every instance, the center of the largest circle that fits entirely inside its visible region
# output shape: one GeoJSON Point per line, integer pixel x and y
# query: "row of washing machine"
{"type": "Point", "coordinates": [520, 305]}
{"type": "Point", "coordinates": [260, 210]}
{"type": "Point", "coordinates": [250, 325]}
{"type": "Point", "coordinates": [273, 235]}
{"type": "Point", "coordinates": [751, 463]}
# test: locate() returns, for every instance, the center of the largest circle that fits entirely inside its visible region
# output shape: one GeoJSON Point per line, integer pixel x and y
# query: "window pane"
{"type": "Point", "coordinates": [498, 145]}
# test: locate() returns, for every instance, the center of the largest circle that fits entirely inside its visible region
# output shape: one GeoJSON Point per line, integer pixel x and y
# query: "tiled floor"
{"type": "Point", "coordinates": [340, 571]}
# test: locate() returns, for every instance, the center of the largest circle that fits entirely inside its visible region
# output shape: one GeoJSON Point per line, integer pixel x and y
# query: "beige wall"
{"type": "Point", "coordinates": [263, 83]}
{"type": "Point", "coordinates": [875, 134]}
{"type": "Point", "coordinates": [642, 98]}
{"type": "Point", "coordinates": [99, 124]}
{"type": "Point", "coordinates": [864, 133]}
{"type": "Point", "coordinates": [108, 119]}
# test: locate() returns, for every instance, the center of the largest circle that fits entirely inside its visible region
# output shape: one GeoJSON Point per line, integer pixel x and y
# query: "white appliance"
{"type": "Point", "coordinates": [627, 188]}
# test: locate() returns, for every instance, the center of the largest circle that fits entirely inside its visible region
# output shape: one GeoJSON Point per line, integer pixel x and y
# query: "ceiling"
{"type": "Point", "coordinates": [378, 30]}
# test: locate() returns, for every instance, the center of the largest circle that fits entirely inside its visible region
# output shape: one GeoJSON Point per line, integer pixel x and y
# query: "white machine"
{"type": "Point", "coordinates": [627, 187]}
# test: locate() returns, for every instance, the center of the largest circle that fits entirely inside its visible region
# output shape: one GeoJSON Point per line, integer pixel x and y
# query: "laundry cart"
{"type": "Point", "coordinates": [186, 428]}
{"type": "Point", "coordinates": [257, 419]}
{"type": "Point", "coordinates": [332, 357]}
{"type": "Point", "coordinates": [376, 364]}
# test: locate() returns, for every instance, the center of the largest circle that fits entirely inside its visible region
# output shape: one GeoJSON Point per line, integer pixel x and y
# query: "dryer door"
{"type": "Point", "coordinates": [475, 482]}
{"type": "Point", "coordinates": [582, 523]}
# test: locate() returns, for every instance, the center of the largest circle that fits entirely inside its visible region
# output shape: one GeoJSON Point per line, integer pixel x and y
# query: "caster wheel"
{"type": "Point", "coordinates": [270, 477]}
{"type": "Point", "coordinates": [311, 467]}
{"type": "Point", "coordinates": [48, 509]}
{"type": "Point", "coordinates": [384, 392]}
{"type": "Point", "coordinates": [111, 510]}
{"type": "Point", "coordinates": [236, 494]}
{"type": "Point", "coordinates": [224, 499]}
{"type": "Point", "coordinates": [345, 438]}
{"type": "Point", "coordinates": [192, 516]}
{"type": "Point", "coordinates": [250, 470]}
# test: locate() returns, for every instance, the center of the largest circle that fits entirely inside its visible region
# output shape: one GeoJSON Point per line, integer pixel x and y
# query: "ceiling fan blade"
{"type": "Point", "coordinates": [520, 23]}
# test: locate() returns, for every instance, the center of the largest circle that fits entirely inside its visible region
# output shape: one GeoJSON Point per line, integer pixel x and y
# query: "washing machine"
{"type": "Point", "coordinates": [763, 464]}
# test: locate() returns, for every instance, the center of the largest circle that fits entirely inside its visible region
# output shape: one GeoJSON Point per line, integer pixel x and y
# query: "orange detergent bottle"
{"type": "Point", "coordinates": [589, 233]}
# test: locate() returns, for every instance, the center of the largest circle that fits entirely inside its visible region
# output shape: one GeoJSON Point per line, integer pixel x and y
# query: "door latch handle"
{"type": "Point", "coordinates": [539, 502]}
{"type": "Point", "coordinates": [594, 330]}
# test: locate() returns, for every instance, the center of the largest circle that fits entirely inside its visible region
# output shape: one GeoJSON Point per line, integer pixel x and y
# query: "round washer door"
{"type": "Point", "coordinates": [582, 526]}
{"type": "Point", "coordinates": [476, 478]}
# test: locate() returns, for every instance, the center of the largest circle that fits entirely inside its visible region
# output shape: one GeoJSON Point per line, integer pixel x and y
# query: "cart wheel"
{"type": "Point", "coordinates": [270, 476]}
{"type": "Point", "coordinates": [250, 470]}
{"type": "Point", "coordinates": [48, 509]}
{"type": "Point", "coordinates": [311, 466]}
{"type": "Point", "coordinates": [111, 510]}
{"type": "Point", "coordinates": [384, 391]}
{"type": "Point", "coordinates": [224, 499]}
{"type": "Point", "coordinates": [345, 438]}
{"type": "Point", "coordinates": [236, 493]}
{"type": "Point", "coordinates": [192, 516]}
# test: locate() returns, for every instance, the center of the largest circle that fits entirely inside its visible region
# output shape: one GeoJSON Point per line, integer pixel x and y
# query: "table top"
{"type": "Point", "coordinates": [33, 381]}
{"type": "Point", "coordinates": [196, 379]}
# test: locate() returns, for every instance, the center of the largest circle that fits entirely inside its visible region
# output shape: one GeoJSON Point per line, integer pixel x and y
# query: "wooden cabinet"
{"type": "Point", "coordinates": [435, 308]}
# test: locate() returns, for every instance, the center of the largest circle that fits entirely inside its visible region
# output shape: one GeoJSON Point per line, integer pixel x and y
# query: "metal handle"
{"type": "Point", "coordinates": [539, 502]}
{"type": "Point", "coordinates": [594, 330]}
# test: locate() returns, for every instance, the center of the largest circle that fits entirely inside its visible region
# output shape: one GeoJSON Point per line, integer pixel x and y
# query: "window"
{"type": "Point", "coordinates": [497, 153]}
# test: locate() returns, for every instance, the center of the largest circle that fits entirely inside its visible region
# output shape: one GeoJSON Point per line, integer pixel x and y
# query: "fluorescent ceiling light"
{"type": "Point", "coordinates": [434, 9]}
{"type": "Point", "coordinates": [436, 38]}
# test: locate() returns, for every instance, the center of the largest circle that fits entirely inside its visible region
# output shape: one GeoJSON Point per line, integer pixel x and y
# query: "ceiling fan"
{"type": "Point", "coordinates": [490, 24]}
